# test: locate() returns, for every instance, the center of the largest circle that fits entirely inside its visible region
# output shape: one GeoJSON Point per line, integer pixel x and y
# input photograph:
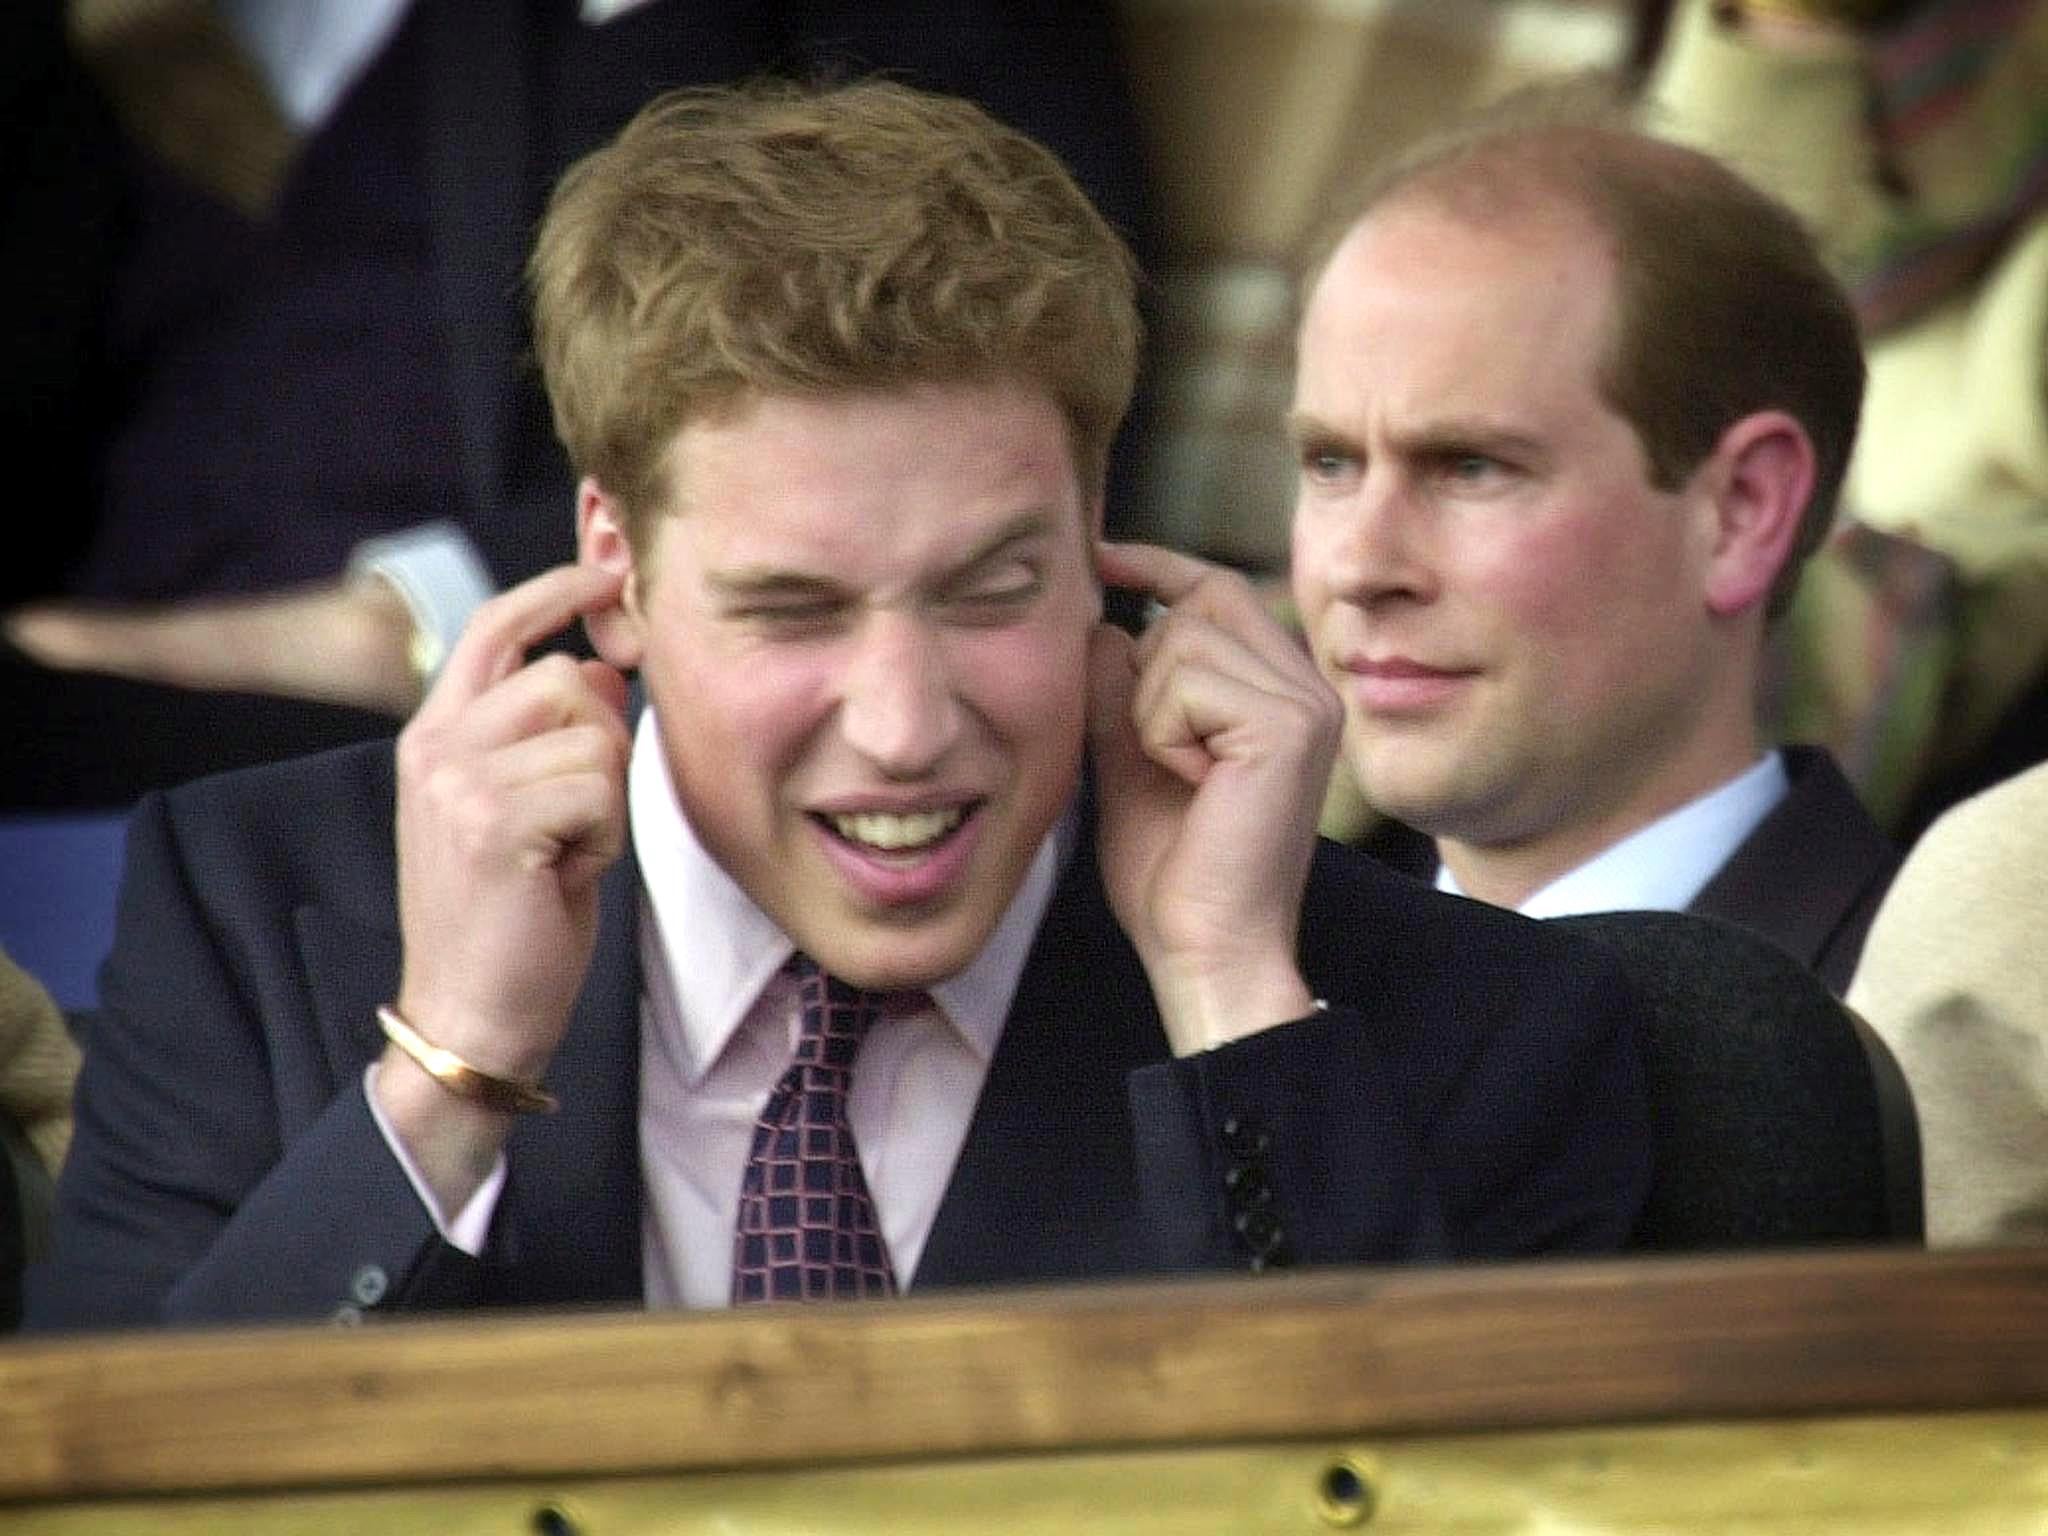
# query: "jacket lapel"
{"type": "Point", "coordinates": [573, 1198]}
{"type": "Point", "coordinates": [1810, 876]}
{"type": "Point", "coordinates": [1046, 1187]}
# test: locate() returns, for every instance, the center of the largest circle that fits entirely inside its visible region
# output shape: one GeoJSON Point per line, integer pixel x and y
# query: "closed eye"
{"type": "Point", "coordinates": [792, 616]}
{"type": "Point", "coordinates": [997, 594]}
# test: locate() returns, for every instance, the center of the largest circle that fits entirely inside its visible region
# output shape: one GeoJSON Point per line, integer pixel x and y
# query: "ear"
{"type": "Point", "coordinates": [1759, 480]}
{"type": "Point", "coordinates": [618, 634]}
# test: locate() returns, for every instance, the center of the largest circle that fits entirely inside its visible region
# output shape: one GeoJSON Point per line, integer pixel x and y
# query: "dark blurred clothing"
{"type": "Point", "coordinates": [354, 361]}
{"type": "Point", "coordinates": [274, 382]}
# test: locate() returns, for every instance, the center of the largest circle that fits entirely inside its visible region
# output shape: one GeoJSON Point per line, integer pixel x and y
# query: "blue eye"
{"type": "Point", "coordinates": [1322, 463]}
{"type": "Point", "coordinates": [1471, 471]}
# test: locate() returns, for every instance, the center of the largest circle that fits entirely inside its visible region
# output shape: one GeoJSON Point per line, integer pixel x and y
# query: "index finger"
{"type": "Point", "coordinates": [1165, 575]}
{"type": "Point", "coordinates": [499, 634]}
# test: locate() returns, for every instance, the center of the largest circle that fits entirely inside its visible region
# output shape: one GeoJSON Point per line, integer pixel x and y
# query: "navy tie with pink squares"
{"type": "Point", "coordinates": [807, 1228]}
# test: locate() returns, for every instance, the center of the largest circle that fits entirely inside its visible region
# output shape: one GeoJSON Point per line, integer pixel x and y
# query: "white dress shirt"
{"type": "Point", "coordinates": [1661, 867]}
{"type": "Point", "coordinates": [718, 1027]}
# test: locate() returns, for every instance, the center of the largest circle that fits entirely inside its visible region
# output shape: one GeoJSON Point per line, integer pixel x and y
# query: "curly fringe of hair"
{"type": "Point", "coordinates": [774, 238]}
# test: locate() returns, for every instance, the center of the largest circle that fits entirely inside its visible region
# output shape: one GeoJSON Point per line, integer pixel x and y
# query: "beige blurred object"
{"type": "Point", "coordinates": [1952, 978]}
{"type": "Point", "coordinates": [38, 1064]}
{"type": "Point", "coordinates": [182, 86]}
{"type": "Point", "coordinates": [1916, 158]}
{"type": "Point", "coordinates": [1258, 115]}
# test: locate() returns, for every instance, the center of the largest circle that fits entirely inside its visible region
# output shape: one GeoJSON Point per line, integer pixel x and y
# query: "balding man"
{"type": "Point", "coordinates": [1572, 406]}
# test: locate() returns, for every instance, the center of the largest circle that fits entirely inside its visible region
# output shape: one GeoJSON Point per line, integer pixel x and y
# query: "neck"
{"type": "Point", "coordinates": [1507, 871]}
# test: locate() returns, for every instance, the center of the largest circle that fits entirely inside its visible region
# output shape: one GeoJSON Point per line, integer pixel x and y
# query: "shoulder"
{"type": "Point", "coordinates": [293, 830]}
{"type": "Point", "coordinates": [312, 797]}
{"type": "Point", "coordinates": [1991, 844]}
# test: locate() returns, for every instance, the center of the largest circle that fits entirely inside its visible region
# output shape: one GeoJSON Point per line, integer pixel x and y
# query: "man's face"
{"type": "Point", "coordinates": [863, 625]}
{"type": "Point", "coordinates": [1511, 611]}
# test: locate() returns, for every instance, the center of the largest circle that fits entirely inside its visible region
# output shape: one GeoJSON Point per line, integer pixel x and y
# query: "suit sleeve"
{"type": "Point", "coordinates": [222, 1168]}
{"type": "Point", "coordinates": [1448, 1122]}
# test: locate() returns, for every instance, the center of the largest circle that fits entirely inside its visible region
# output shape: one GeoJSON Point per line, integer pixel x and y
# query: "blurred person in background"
{"type": "Point", "coordinates": [292, 388]}
{"type": "Point", "coordinates": [1910, 135]}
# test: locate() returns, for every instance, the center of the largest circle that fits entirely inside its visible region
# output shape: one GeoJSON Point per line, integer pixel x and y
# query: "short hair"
{"type": "Point", "coordinates": [1723, 307]}
{"type": "Point", "coordinates": [772, 238]}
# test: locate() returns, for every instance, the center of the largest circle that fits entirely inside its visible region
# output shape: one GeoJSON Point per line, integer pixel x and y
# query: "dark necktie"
{"type": "Point", "coordinates": [807, 1228]}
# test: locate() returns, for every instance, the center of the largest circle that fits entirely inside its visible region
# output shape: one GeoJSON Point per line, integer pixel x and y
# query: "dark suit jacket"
{"type": "Point", "coordinates": [1473, 1091]}
{"type": "Point", "coordinates": [1810, 876]}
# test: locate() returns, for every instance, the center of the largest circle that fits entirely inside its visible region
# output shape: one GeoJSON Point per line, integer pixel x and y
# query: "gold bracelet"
{"type": "Point", "coordinates": [506, 1094]}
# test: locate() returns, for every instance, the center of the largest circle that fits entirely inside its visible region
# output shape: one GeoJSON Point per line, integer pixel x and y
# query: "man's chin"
{"type": "Point", "coordinates": [899, 951]}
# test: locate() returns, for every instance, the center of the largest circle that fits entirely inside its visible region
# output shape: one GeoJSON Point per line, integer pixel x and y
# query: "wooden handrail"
{"type": "Point", "coordinates": [1337, 1353]}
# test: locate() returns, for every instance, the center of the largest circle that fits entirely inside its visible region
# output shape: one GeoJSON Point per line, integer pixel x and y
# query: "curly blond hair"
{"type": "Point", "coordinates": [774, 238]}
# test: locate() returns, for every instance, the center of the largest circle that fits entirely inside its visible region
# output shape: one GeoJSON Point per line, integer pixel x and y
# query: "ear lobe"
{"type": "Point", "coordinates": [1761, 480]}
{"type": "Point", "coordinates": [618, 634]}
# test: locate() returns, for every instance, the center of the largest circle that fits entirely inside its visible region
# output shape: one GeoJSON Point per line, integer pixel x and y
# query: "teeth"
{"type": "Point", "coordinates": [882, 829]}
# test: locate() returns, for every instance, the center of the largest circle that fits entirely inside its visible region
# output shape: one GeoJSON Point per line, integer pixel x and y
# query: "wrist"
{"type": "Point", "coordinates": [491, 1045]}
{"type": "Point", "coordinates": [1203, 1008]}
{"type": "Point", "coordinates": [459, 1076]}
{"type": "Point", "coordinates": [448, 1144]}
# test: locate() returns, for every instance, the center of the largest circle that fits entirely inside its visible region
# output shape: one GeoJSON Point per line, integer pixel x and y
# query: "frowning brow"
{"type": "Point", "coordinates": [1439, 437]}
{"type": "Point", "coordinates": [753, 583]}
{"type": "Point", "coordinates": [1305, 427]}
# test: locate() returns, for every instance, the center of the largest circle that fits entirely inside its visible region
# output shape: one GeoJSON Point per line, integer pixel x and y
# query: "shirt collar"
{"type": "Point", "coordinates": [1663, 866]}
{"type": "Point", "coordinates": [710, 951]}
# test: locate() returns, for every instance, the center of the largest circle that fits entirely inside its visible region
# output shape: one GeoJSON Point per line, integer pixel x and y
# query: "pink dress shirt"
{"type": "Point", "coordinates": [717, 1028]}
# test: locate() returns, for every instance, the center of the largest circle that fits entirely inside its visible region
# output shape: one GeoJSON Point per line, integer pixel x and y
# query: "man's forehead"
{"type": "Point", "coordinates": [1414, 279]}
{"type": "Point", "coordinates": [945, 471]}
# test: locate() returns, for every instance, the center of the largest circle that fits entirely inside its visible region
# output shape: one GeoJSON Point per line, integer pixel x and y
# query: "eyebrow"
{"type": "Point", "coordinates": [1448, 435]}
{"type": "Point", "coordinates": [1305, 427]}
{"type": "Point", "coordinates": [756, 583]}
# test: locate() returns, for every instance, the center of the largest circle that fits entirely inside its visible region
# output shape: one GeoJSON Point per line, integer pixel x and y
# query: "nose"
{"type": "Point", "coordinates": [1366, 547]}
{"type": "Point", "coordinates": [899, 709]}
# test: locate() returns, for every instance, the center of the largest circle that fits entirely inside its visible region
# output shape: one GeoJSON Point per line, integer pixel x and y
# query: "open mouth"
{"type": "Point", "coordinates": [896, 832]}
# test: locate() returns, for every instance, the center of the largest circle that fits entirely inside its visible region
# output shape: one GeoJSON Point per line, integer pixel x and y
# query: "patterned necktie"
{"type": "Point", "coordinates": [807, 1227]}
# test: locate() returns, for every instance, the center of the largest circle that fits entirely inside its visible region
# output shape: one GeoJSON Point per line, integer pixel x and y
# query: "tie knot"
{"type": "Point", "coordinates": [834, 1016]}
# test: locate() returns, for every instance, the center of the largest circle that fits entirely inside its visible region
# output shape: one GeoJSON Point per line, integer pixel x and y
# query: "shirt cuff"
{"type": "Point", "coordinates": [443, 580]}
{"type": "Point", "coordinates": [472, 1224]}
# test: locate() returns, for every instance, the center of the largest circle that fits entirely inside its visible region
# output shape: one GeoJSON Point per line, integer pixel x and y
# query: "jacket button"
{"type": "Point", "coordinates": [1259, 1229]}
{"type": "Point", "coordinates": [1247, 1186]}
{"type": "Point", "coordinates": [369, 1285]}
{"type": "Point", "coordinates": [1276, 1255]}
{"type": "Point", "coordinates": [1242, 1137]}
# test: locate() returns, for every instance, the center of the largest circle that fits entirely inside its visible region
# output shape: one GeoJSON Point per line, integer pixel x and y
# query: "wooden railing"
{"type": "Point", "coordinates": [1851, 1391]}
